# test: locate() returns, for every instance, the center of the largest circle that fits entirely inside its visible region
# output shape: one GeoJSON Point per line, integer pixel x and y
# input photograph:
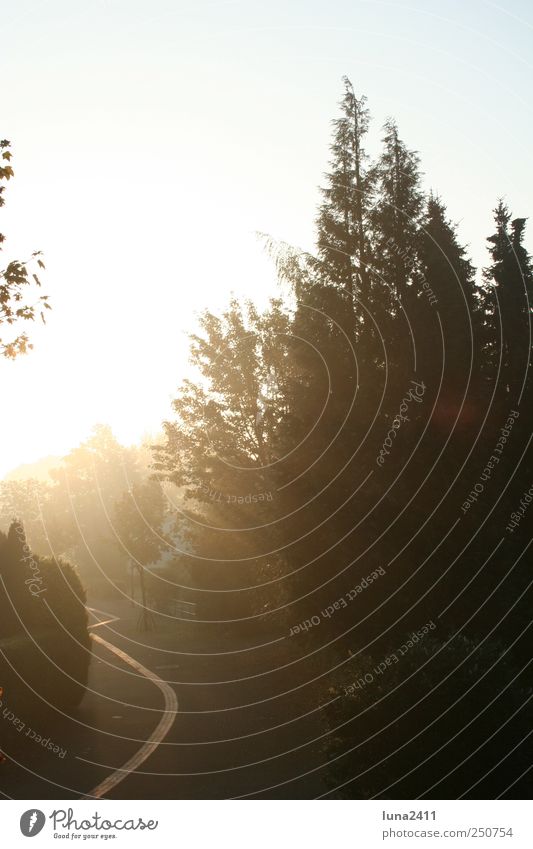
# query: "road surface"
{"type": "Point", "coordinates": [176, 713]}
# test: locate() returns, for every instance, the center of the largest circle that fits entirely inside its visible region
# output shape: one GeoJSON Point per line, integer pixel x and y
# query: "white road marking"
{"type": "Point", "coordinates": [94, 611]}
{"type": "Point", "coordinates": [104, 622]}
{"type": "Point", "coordinates": [158, 735]}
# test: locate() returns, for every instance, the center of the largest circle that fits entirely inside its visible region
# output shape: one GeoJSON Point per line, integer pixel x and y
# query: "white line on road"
{"type": "Point", "coordinates": [158, 735]}
{"type": "Point", "coordinates": [104, 622]}
{"type": "Point", "coordinates": [100, 622]}
{"type": "Point", "coordinates": [97, 610]}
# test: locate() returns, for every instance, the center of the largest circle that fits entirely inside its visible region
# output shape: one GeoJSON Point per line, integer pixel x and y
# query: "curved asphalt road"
{"type": "Point", "coordinates": [127, 741]}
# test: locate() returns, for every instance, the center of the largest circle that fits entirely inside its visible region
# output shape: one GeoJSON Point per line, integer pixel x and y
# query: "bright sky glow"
{"type": "Point", "coordinates": [151, 141]}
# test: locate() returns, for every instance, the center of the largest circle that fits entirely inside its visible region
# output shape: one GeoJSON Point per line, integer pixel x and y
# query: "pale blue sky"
{"type": "Point", "coordinates": [151, 140]}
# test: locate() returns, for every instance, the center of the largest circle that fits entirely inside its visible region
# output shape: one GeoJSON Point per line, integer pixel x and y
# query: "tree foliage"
{"type": "Point", "coordinates": [19, 283]}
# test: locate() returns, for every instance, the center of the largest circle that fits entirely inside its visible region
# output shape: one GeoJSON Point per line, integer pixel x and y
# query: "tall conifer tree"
{"type": "Point", "coordinates": [511, 276]}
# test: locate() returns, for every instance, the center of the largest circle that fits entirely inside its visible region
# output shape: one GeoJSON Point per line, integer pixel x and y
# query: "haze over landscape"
{"type": "Point", "coordinates": [266, 360]}
{"type": "Point", "coordinates": [152, 143]}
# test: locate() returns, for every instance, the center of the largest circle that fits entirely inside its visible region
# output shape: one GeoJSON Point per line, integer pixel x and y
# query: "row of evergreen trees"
{"type": "Point", "coordinates": [344, 430]}
{"type": "Point", "coordinates": [298, 401]}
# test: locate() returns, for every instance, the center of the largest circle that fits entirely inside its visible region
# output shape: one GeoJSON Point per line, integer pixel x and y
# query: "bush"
{"type": "Point", "coordinates": [44, 625]}
{"type": "Point", "coordinates": [382, 743]}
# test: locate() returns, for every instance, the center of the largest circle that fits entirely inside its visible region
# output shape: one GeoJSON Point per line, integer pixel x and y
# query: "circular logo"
{"type": "Point", "coordinates": [32, 822]}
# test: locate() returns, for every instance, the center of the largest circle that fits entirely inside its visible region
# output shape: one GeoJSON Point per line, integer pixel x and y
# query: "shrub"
{"type": "Point", "coordinates": [390, 734]}
{"type": "Point", "coordinates": [44, 625]}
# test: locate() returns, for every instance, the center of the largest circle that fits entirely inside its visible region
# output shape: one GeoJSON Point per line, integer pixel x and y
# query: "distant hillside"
{"type": "Point", "coordinates": [39, 470]}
